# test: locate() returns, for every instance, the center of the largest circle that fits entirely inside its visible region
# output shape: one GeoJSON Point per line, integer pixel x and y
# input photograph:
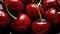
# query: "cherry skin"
{"type": "Point", "coordinates": [50, 3]}
{"type": "Point", "coordinates": [21, 24]}
{"type": "Point", "coordinates": [59, 18]}
{"type": "Point", "coordinates": [56, 22]}
{"type": "Point", "coordinates": [51, 14]}
{"type": "Point", "coordinates": [15, 6]}
{"type": "Point", "coordinates": [4, 19]}
{"type": "Point", "coordinates": [32, 11]}
{"type": "Point", "coordinates": [40, 27]}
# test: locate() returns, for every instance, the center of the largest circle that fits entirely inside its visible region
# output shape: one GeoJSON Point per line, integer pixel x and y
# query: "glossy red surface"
{"type": "Point", "coordinates": [15, 6]}
{"type": "Point", "coordinates": [40, 27]}
{"type": "Point", "coordinates": [4, 19]}
{"type": "Point", "coordinates": [32, 11]}
{"type": "Point", "coordinates": [22, 23]}
{"type": "Point", "coordinates": [50, 3]}
{"type": "Point", "coordinates": [51, 14]}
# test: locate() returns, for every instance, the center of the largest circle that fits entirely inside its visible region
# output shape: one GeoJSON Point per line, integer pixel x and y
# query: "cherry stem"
{"type": "Point", "coordinates": [39, 3]}
{"type": "Point", "coordinates": [9, 12]}
{"type": "Point", "coordinates": [40, 15]}
{"type": "Point", "coordinates": [58, 12]}
{"type": "Point", "coordinates": [39, 11]}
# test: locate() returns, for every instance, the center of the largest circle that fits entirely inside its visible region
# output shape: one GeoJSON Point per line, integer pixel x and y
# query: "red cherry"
{"type": "Point", "coordinates": [50, 3]}
{"type": "Point", "coordinates": [40, 27]}
{"type": "Point", "coordinates": [51, 14]}
{"type": "Point", "coordinates": [32, 11]}
{"type": "Point", "coordinates": [56, 22]}
{"type": "Point", "coordinates": [22, 23]}
{"type": "Point", "coordinates": [4, 19]}
{"type": "Point", "coordinates": [15, 6]}
{"type": "Point", "coordinates": [58, 18]}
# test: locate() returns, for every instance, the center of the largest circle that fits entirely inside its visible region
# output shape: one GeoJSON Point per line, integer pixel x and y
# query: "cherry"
{"type": "Point", "coordinates": [21, 24]}
{"type": "Point", "coordinates": [58, 18]}
{"type": "Point", "coordinates": [50, 3]}
{"type": "Point", "coordinates": [32, 12]}
{"type": "Point", "coordinates": [15, 6]}
{"type": "Point", "coordinates": [56, 22]}
{"type": "Point", "coordinates": [4, 19]}
{"type": "Point", "coordinates": [39, 27]}
{"type": "Point", "coordinates": [51, 14]}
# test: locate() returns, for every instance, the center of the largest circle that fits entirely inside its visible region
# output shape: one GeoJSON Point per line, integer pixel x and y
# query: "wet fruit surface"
{"type": "Point", "coordinates": [29, 16]}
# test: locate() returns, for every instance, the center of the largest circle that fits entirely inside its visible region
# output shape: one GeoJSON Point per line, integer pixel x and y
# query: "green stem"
{"type": "Point", "coordinates": [40, 15]}
{"type": "Point", "coordinates": [39, 11]}
{"type": "Point", "coordinates": [39, 2]}
{"type": "Point", "coordinates": [9, 12]}
{"type": "Point", "coordinates": [58, 12]}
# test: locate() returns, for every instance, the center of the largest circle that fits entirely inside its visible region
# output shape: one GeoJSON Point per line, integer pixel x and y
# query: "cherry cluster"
{"type": "Point", "coordinates": [35, 16]}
